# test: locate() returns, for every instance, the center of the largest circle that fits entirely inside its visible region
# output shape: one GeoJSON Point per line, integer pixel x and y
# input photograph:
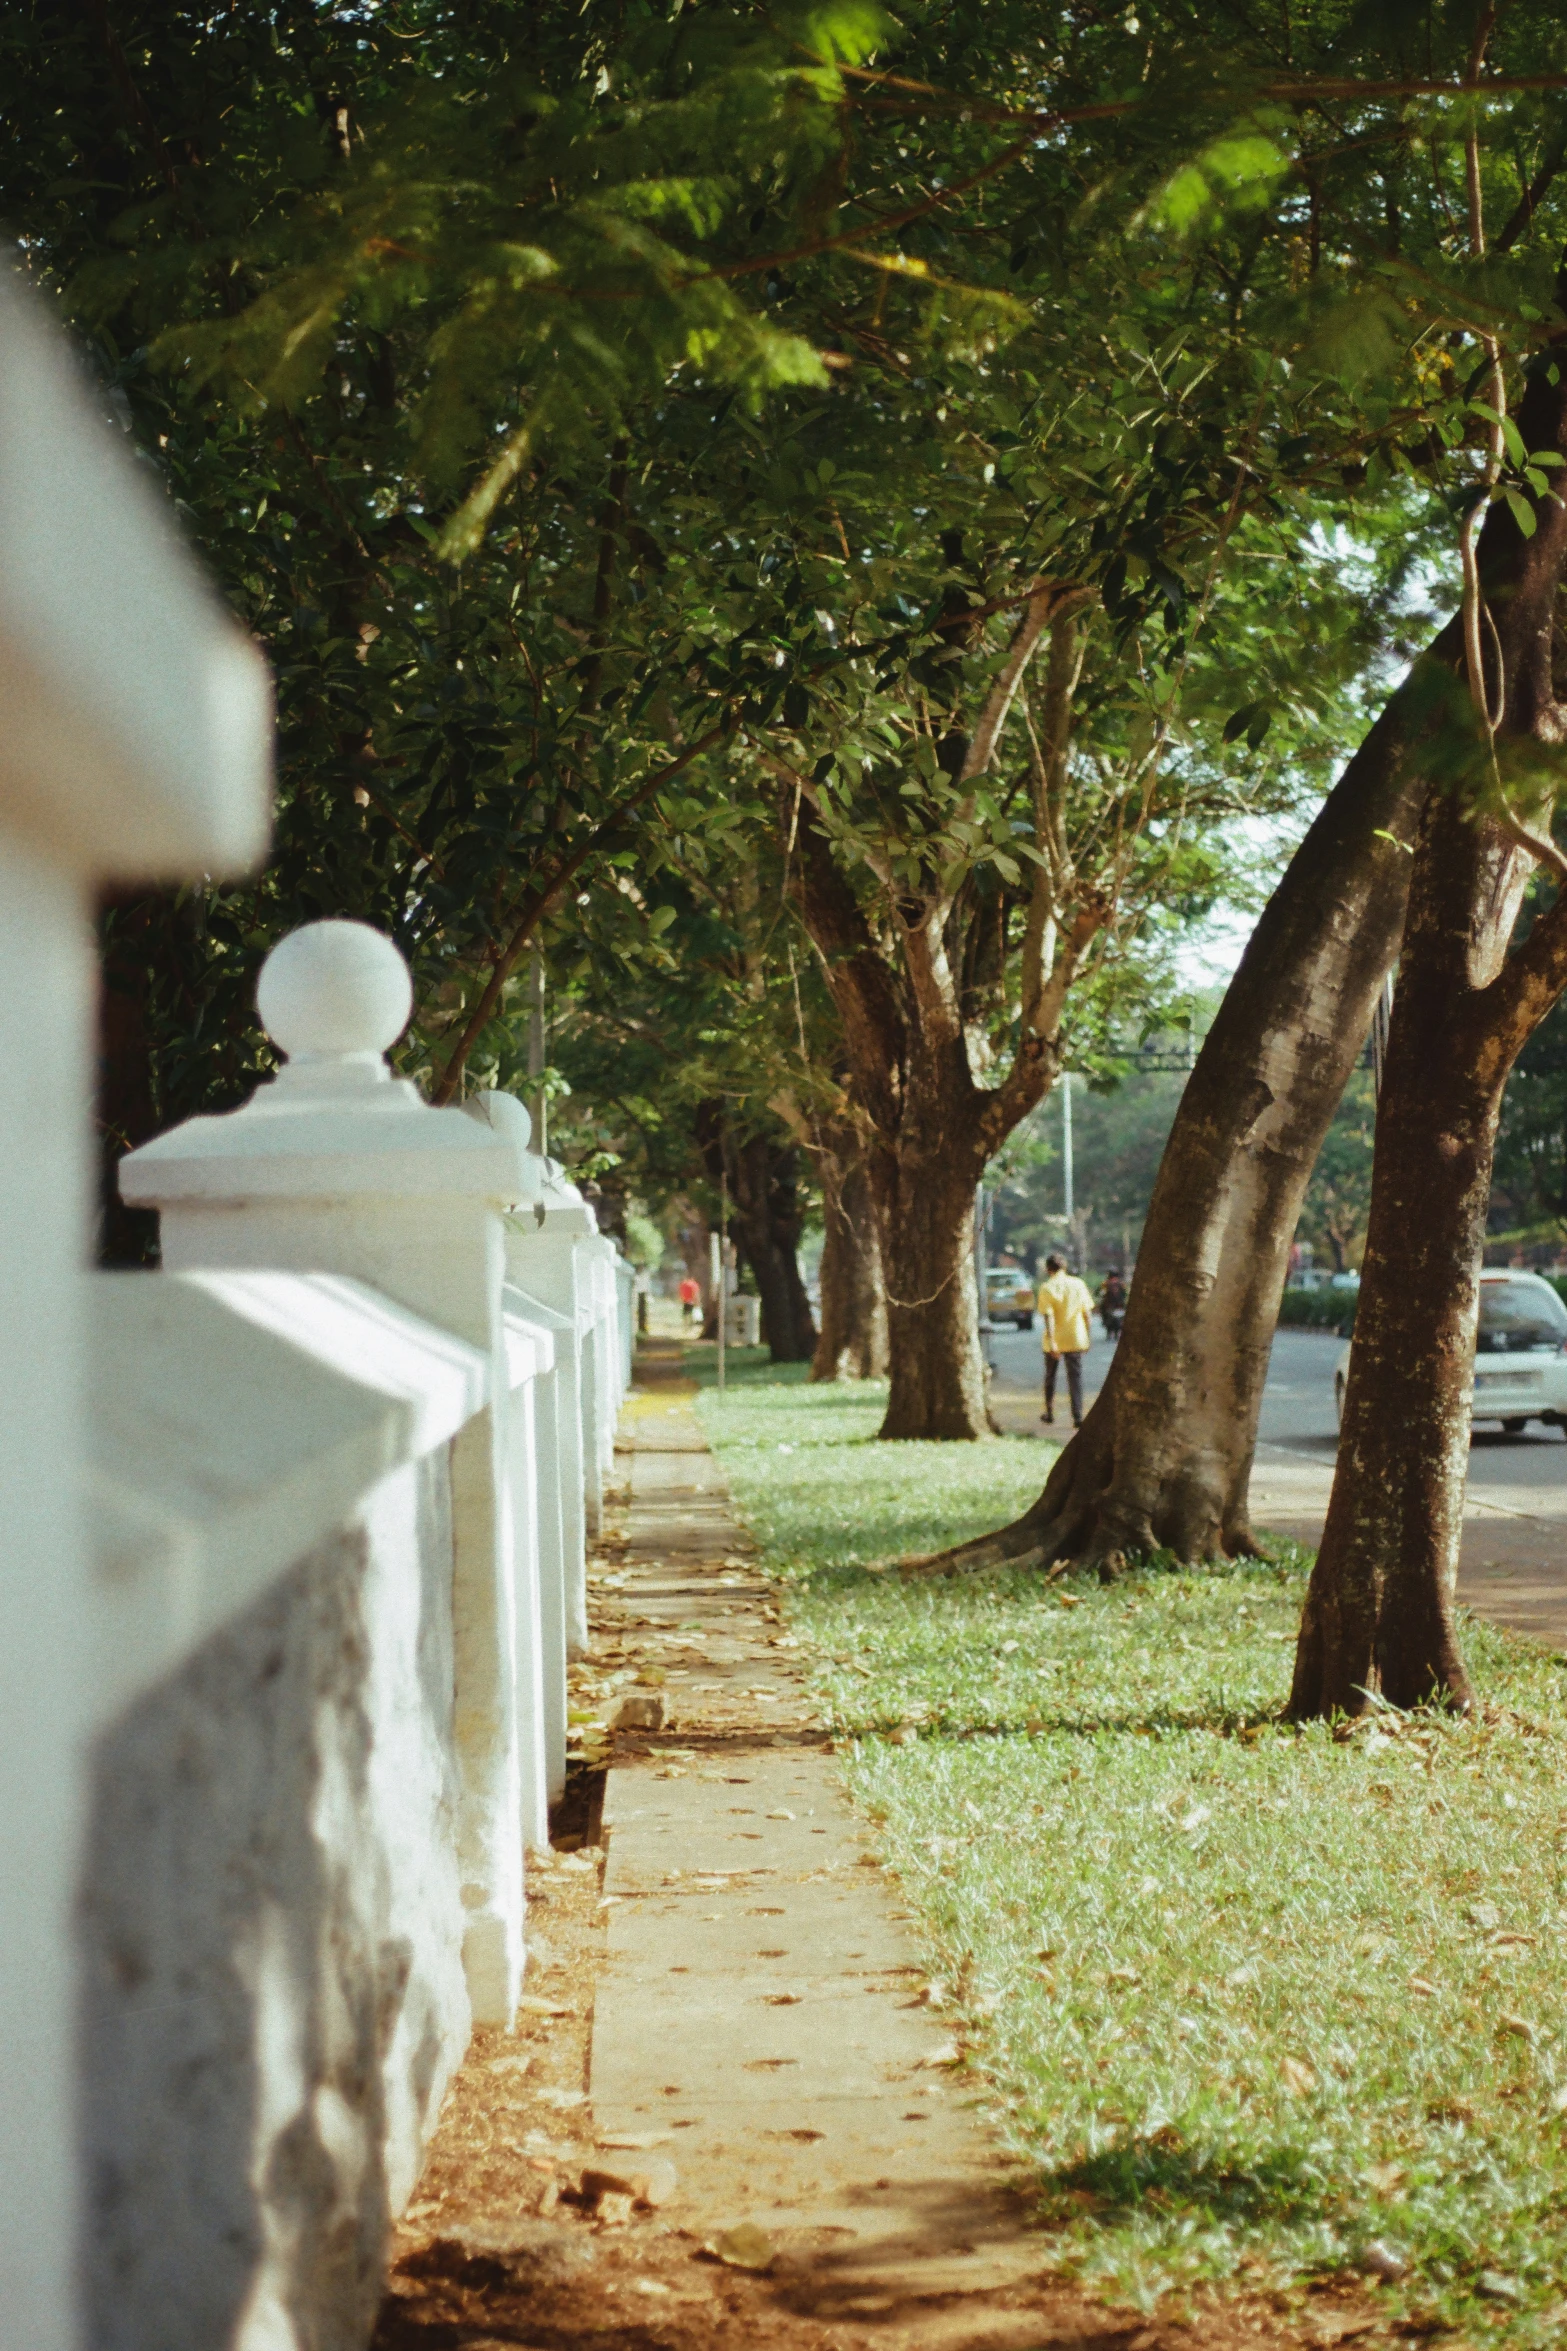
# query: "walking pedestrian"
{"type": "Point", "coordinates": [1066, 1309]}
{"type": "Point", "coordinates": [1112, 1303]}
{"type": "Point", "coordinates": [690, 1301]}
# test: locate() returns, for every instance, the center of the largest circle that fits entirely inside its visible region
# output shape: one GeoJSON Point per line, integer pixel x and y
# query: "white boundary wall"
{"type": "Point", "coordinates": [292, 1535]}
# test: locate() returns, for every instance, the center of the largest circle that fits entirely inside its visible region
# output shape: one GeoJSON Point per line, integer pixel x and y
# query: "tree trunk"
{"type": "Point", "coordinates": [1379, 1608]}
{"type": "Point", "coordinates": [767, 1214]}
{"type": "Point", "coordinates": [925, 1205]}
{"type": "Point", "coordinates": [853, 1341]}
{"type": "Point", "coordinates": [765, 1223]}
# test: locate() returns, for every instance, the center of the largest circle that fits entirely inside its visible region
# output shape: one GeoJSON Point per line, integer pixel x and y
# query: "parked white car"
{"type": "Point", "coordinates": [1520, 1354]}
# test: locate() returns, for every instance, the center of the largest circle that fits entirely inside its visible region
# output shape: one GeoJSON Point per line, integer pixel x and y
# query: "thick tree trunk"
{"type": "Point", "coordinates": [853, 1340]}
{"type": "Point", "coordinates": [925, 1208]}
{"type": "Point", "coordinates": [1379, 1608]}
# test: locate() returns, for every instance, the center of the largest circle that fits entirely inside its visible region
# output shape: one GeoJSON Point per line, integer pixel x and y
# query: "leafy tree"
{"type": "Point", "coordinates": [1378, 201]}
{"type": "Point", "coordinates": [328, 262]}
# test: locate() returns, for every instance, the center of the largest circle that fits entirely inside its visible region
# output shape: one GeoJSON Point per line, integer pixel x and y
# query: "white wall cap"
{"type": "Point", "coordinates": [234, 1421]}
{"type": "Point", "coordinates": [137, 736]}
{"type": "Point", "coordinates": [565, 1210]}
{"type": "Point", "coordinates": [504, 1115]}
{"type": "Point", "coordinates": [520, 1301]}
{"type": "Point", "coordinates": [527, 1330]}
{"type": "Point", "coordinates": [334, 1123]}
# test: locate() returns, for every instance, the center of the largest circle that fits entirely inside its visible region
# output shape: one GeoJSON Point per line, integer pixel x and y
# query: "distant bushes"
{"type": "Point", "coordinates": [1319, 1310]}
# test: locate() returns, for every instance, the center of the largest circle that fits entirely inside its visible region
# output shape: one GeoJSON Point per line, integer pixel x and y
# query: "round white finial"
{"type": "Point", "coordinates": [334, 988]}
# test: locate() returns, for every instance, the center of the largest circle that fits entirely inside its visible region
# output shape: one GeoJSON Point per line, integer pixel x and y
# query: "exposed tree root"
{"type": "Point", "coordinates": [1104, 1506]}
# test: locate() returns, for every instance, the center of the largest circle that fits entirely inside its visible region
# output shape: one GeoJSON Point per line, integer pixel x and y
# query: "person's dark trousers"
{"type": "Point", "coordinates": [1074, 1385]}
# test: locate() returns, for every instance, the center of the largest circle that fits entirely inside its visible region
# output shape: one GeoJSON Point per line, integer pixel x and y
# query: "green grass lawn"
{"type": "Point", "coordinates": [1246, 2001]}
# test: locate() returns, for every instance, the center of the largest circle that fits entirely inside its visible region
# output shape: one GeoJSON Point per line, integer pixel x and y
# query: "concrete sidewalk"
{"type": "Point", "coordinates": [761, 2008]}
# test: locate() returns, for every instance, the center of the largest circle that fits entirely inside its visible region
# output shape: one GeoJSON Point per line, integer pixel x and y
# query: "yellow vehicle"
{"type": "Point", "coordinates": [1009, 1296]}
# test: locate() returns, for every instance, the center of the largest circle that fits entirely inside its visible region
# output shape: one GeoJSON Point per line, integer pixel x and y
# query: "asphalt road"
{"type": "Point", "coordinates": [1297, 1411]}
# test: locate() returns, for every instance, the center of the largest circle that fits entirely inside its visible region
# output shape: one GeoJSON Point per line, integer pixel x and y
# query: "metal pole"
{"type": "Point", "coordinates": [536, 1051]}
{"type": "Point", "coordinates": [723, 1269]}
{"type": "Point", "coordinates": [1066, 1146]}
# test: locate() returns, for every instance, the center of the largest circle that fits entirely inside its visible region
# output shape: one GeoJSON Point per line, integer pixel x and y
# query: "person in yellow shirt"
{"type": "Point", "coordinates": [1066, 1309]}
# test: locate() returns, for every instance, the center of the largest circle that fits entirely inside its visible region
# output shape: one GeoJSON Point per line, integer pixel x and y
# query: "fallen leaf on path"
{"type": "Point", "coordinates": [529, 2006]}
{"type": "Point", "coordinates": [1386, 2178]}
{"type": "Point", "coordinates": [743, 2247]}
{"type": "Point", "coordinates": [948, 2054]}
{"type": "Point", "coordinates": [562, 2099]}
{"type": "Point", "coordinates": [1299, 2079]}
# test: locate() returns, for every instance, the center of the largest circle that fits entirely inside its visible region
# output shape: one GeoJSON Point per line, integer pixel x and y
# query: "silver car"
{"type": "Point", "coordinates": [1520, 1354]}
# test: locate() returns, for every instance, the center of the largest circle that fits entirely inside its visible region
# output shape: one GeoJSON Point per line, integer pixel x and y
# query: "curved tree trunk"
{"type": "Point", "coordinates": [1163, 1460]}
{"type": "Point", "coordinates": [853, 1340]}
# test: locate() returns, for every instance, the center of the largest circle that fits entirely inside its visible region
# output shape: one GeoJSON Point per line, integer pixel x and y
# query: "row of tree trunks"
{"type": "Point", "coordinates": [852, 1343]}
{"type": "Point", "coordinates": [1379, 1612]}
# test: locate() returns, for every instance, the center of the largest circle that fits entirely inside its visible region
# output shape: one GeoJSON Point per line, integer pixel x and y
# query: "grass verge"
{"type": "Point", "coordinates": [1245, 2001]}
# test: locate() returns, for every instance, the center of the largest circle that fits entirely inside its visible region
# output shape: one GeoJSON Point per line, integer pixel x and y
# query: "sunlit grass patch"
{"type": "Point", "coordinates": [1238, 1995]}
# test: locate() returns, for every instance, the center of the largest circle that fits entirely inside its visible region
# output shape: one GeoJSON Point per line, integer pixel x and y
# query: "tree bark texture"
{"type": "Point", "coordinates": [1163, 1460]}
{"type": "Point", "coordinates": [1379, 1612]}
{"type": "Point", "coordinates": [853, 1339]}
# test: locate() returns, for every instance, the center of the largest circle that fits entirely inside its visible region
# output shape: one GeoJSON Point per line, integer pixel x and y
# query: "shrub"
{"type": "Point", "coordinates": [1319, 1310]}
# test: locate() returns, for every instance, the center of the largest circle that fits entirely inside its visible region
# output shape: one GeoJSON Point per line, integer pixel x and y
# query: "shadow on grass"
{"type": "Point", "coordinates": [1181, 2183]}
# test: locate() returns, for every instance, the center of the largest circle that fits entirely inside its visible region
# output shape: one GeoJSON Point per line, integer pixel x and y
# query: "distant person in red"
{"type": "Point", "coordinates": [690, 1301]}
